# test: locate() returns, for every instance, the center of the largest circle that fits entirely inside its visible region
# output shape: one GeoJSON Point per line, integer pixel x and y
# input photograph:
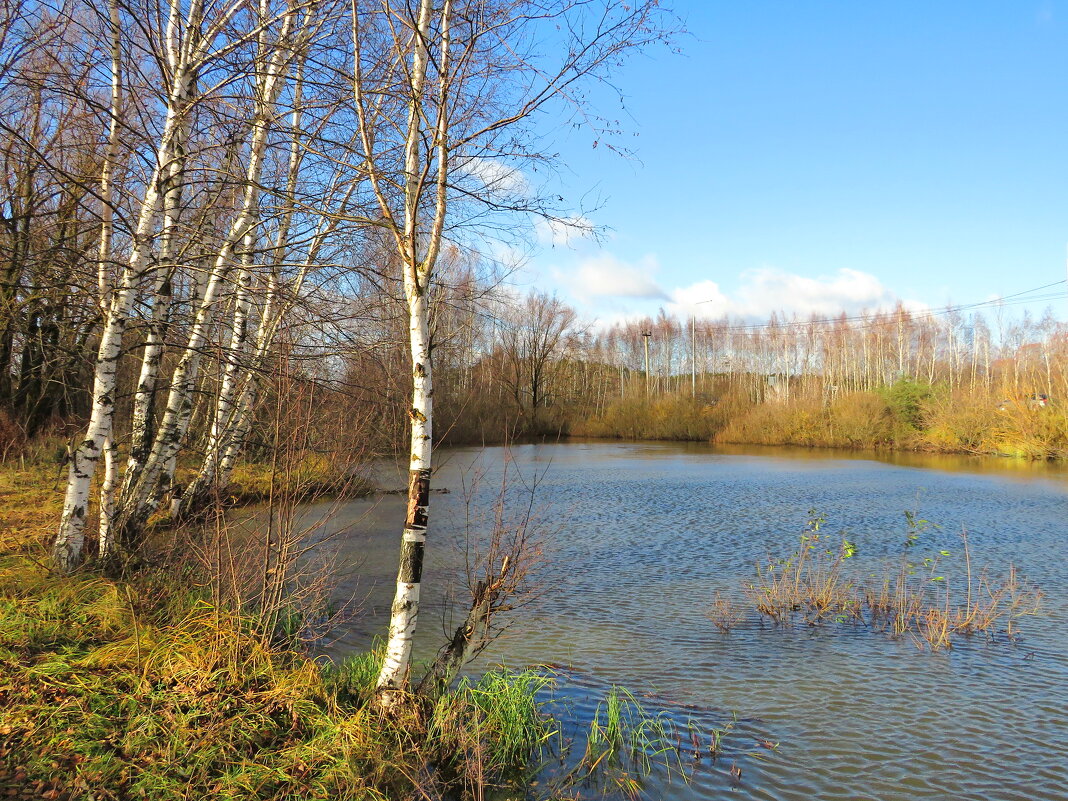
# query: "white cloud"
{"type": "Point", "coordinates": [604, 275]}
{"type": "Point", "coordinates": [565, 231]}
{"type": "Point", "coordinates": [608, 288]}
{"type": "Point", "coordinates": [703, 299]}
{"type": "Point", "coordinates": [496, 177]}
{"type": "Point", "coordinates": [767, 289]}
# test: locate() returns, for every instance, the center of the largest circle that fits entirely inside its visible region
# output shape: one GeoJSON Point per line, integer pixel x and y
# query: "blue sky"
{"type": "Point", "coordinates": [816, 156]}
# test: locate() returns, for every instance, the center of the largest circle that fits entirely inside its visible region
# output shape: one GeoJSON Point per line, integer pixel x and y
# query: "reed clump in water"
{"type": "Point", "coordinates": [811, 584]}
{"type": "Point", "coordinates": [724, 613]}
{"type": "Point", "coordinates": [624, 743]}
{"type": "Point", "coordinates": [821, 583]}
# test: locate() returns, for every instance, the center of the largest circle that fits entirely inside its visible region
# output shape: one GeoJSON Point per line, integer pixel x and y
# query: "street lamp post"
{"type": "Point", "coordinates": [693, 356]}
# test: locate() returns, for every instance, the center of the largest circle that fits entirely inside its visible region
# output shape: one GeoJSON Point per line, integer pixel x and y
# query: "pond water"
{"type": "Point", "coordinates": [640, 537]}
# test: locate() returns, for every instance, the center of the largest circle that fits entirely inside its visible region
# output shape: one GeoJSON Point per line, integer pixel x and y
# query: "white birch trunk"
{"type": "Point", "coordinates": [273, 313]}
{"type": "Point", "coordinates": [228, 402]}
{"type": "Point", "coordinates": [70, 539]}
{"type": "Point", "coordinates": [107, 495]}
{"type": "Point", "coordinates": [405, 608]}
{"type": "Point", "coordinates": [233, 357]}
{"type": "Point", "coordinates": [111, 155]}
{"type": "Point", "coordinates": [107, 487]}
{"type": "Point", "coordinates": [417, 272]}
{"type": "Point", "coordinates": [223, 452]}
{"type": "Point", "coordinates": [141, 499]}
{"type": "Point", "coordinates": [141, 429]}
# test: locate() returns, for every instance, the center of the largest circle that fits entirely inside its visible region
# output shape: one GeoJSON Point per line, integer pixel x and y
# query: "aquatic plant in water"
{"type": "Point", "coordinates": [917, 596]}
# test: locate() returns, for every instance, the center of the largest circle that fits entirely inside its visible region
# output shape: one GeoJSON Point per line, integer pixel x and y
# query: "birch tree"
{"type": "Point", "coordinates": [195, 37]}
{"type": "Point", "coordinates": [466, 76]}
{"type": "Point", "coordinates": [183, 54]}
{"type": "Point", "coordinates": [141, 484]}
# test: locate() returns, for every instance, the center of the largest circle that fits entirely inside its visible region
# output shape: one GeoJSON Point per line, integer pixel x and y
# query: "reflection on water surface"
{"type": "Point", "coordinates": [648, 532]}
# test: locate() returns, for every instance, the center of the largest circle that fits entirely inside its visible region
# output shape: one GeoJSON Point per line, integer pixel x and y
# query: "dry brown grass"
{"type": "Point", "coordinates": [724, 613]}
{"type": "Point", "coordinates": [31, 499]}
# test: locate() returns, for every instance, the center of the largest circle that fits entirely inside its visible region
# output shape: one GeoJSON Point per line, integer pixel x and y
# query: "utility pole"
{"type": "Point", "coordinates": [645, 337]}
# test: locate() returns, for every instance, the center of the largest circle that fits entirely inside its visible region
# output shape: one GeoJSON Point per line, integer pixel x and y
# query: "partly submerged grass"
{"type": "Point", "coordinates": [819, 583]}
{"type": "Point", "coordinates": [624, 732]}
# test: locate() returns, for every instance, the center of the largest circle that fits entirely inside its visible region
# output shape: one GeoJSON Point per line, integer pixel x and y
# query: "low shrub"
{"type": "Point", "coordinates": [856, 420]}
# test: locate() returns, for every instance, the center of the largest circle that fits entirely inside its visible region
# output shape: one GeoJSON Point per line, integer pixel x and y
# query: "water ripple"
{"type": "Point", "coordinates": [652, 531]}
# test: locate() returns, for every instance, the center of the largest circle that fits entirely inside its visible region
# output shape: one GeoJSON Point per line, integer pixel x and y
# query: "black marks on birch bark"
{"type": "Point", "coordinates": [411, 562]}
{"type": "Point", "coordinates": [415, 521]}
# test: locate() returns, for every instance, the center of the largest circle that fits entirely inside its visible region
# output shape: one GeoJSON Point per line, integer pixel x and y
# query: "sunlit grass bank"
{"type": "Point", "coordinates": [669, 417]}
{"type": "Point", "coordinates": [31, 497]}
{"type": "Point", "coordinates": [141, 689]}
{"type": "Point", "coordinates": [907, 415]}
{"type": "Point", "coordinates": [136, 689]}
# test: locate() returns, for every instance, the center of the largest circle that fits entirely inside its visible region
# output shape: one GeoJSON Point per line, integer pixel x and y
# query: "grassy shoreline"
{"type": "Point", "coordinates": [906, 417]}
{"type": "Point", "coordinates": [135, 689]}
{"type": "Point", "coordinates": [146, 686]}
{"type": "Point", "coordinates": [140, 687]}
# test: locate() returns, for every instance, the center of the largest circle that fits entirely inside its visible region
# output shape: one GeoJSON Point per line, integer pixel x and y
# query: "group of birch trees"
{"type": "Point", "coordinates": [199, 178]}
{"type": "Point", "coordinates": [195, 187]}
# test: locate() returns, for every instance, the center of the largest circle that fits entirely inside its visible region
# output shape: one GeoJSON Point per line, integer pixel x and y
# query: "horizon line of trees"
{"type": "Point", "coordinates": [511, 365]}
